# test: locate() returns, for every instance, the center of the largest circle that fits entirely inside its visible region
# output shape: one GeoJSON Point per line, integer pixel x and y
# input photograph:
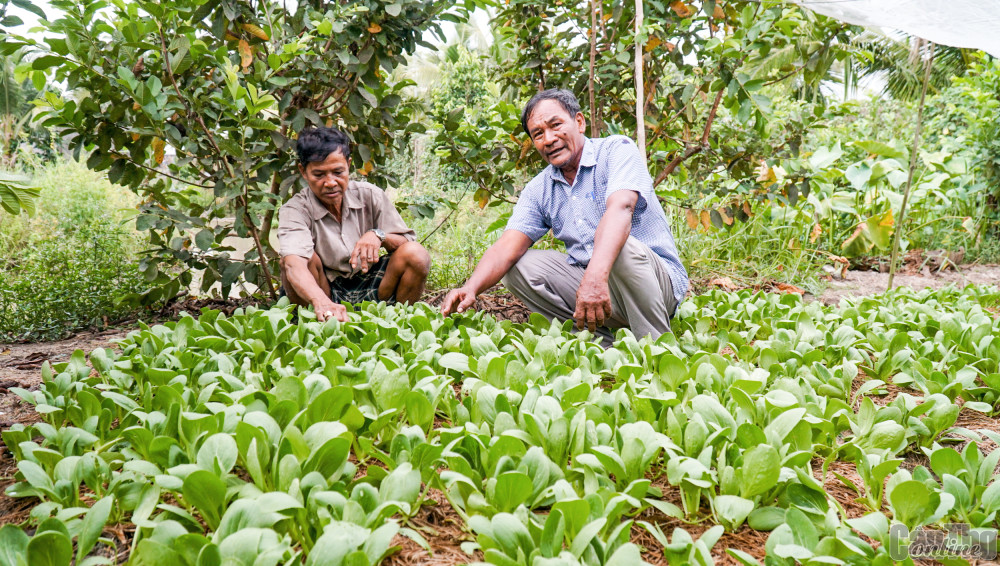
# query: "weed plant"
{"type": "Point", "coordinates": [987, 250]}
{"type": "Point", "coordinates": [458, 244]}
{"type": "Point", "coordinates": [751, 253]}
{"type": "Point", "coordinates": [990, 300]}
{"type": "Point", "coordinates": [67, 267]}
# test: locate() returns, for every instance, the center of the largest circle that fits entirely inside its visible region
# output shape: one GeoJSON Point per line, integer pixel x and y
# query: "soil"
{"type": "Point", "coordinates": [443, 530]}
{"type": "Point", "coordinates": [20, 366]}
{"type": "Point", "coordinates": [863, 283]}
{"type": "Point", "coordinates": [495, 301]}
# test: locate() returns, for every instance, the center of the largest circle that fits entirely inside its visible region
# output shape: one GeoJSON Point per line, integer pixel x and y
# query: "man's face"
{"type": "Point", "coordinates": [557, 135]}
{"type": "Point", "coordinates": [328, 179]}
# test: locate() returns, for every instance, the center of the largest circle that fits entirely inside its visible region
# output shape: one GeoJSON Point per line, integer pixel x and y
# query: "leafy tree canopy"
{"type": "Point", "coordinates": [709, 69]}
{"type": "Point", "coordinates": [226, 85]}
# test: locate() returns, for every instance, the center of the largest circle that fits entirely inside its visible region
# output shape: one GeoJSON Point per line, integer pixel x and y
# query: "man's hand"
{"type": "Point", "coordinates": [593, 303]}
{"type": "Point", "coordinates": [327, 309]}
{"type": "Point", "coordinates": [458, 300]}
{"type": "Point", "coordinates": [494, 264]}
{"type": "Point", "coordinates": [366, 251]}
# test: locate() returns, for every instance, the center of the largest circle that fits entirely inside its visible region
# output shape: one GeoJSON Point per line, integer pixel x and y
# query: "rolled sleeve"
{"type": "Point", "coordinates": [388, 219]}
{"type": "Point", "coordinates": [295, 231]}
{"type": "Point", "coordinates": [527, 216]}
{"type": "Point", "coordinates": [628, 172]}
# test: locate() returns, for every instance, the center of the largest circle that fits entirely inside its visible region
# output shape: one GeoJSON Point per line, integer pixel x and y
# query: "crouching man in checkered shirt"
{"type": "Point", "coordinates": [621, 268]}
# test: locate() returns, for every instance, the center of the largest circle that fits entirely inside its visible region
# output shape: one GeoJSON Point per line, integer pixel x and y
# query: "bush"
{"type": "Point", "coordinates": [67, 267]}
{"type": "Point", "coordinates": [64, 285]}
{"type": "Point", "coordinates": [73, 201]}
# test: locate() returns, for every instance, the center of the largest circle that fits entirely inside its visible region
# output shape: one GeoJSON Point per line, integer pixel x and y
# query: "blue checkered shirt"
{"type": "Point", "coordinates": [572, 212]}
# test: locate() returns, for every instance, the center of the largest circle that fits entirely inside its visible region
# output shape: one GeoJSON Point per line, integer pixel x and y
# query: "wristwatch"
{"type": "Point", "coordinates": [380, 233]}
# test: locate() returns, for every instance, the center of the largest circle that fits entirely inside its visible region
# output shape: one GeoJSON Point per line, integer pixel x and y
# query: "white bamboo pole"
{"type": "Point", "coordinates": [640, 96]}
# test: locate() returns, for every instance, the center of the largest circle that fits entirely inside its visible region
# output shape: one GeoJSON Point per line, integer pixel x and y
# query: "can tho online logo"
{"type": "Point", "coordinates": [959, 540]}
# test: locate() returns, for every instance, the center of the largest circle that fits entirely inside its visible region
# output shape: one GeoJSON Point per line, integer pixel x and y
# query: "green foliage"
{"type": "Point", "coordinates": [739, 252]}
{"type": "Point", "coordinates": [457, 248]}
{"type": "Point", "coordinates": [486, 151]}
{"type": "Point", "coordinates": [838, 198]}
{"type": "Point", "coordinates": [16, 194]}
{"type": "Point", "coordinates": [902, 60]}
{"type": "Point", "coordinates": [61, 286]}
{"type": "Point", "coordinates": [465, 83]}
{"type": "Point", "coordinates": [21, 143]}
{"type": "Point", "coordinates": [227, 85]}
{"type": "Point", "coordinates": [963, 118]}
{"type": "Point", "coordinates": [69, 265]}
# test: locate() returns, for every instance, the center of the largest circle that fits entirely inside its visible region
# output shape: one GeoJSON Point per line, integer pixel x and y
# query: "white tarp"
{"type": "Point", "coordinates": [959, 23]}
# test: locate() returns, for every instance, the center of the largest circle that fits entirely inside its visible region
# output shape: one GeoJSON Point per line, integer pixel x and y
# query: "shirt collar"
{"type": "Point", "coordinates": [352, 199]}
{"type": "Point", "coordinates": [587, 159]}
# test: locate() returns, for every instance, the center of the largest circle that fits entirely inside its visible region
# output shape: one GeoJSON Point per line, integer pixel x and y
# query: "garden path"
{"type": "Point", "coordinates": [865, 283]}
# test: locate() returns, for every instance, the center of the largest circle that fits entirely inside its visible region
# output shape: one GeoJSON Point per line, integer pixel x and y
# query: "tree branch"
{"type": "Point", "coordinates": [342, 98]}
{"type": "Point", "coordinates": [680, 112]}
{"type": "Point", "coordinates": [692, 149]}
{"type": "Point", "coordinates": [187, 107]}
{"type": "Point", "coordinates": [446, 218]}
{"type": "Point", "coordinates": [265, 226]}
{"type": "Point", "coordinates": [157, 171]}
{"type": "Point", "coordinates": [262, 257]}
{"type": "Point", "coordinates": [275, 190]}
{"type": "Point", "coordinates": [479, 181]}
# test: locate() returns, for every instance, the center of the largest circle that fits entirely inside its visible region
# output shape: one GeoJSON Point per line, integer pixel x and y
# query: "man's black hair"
{"type": "Point", "coordinates": [316, 144]}
{"type": "Point", "coordinates": [565, 98]}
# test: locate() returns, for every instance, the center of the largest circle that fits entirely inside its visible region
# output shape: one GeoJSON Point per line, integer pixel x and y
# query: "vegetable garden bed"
{"type": "Point", "coordinates": [764, 425]}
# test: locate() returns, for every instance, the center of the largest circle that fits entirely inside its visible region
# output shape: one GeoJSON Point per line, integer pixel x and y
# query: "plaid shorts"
{"type": "Point", "coordinates": [361, 286]}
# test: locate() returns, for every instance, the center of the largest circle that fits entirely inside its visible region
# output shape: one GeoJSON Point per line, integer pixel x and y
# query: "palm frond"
{"type": "Point", "coordinates": [900, 60]}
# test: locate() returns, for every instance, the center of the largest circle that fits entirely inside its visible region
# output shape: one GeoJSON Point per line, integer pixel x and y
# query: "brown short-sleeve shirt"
{"type": "Point", "coordinates": [306, 226]}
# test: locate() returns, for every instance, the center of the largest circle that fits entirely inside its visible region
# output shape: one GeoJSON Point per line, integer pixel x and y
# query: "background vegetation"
{"type": "Point", "coordinates": [71, 264]}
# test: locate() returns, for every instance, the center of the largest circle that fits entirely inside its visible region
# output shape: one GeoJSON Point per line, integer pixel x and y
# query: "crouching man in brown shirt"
{"type": "Point", "coordinates": [331, 235]}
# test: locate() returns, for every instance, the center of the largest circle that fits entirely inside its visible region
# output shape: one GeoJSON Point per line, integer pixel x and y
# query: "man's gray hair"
{"type": "Point", "coordinates": [565, 98]}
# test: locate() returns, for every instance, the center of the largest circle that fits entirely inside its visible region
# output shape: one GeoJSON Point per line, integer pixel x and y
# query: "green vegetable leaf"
{"type": "Point", "coordinates": [218, 454]}
{"type": "Point", "coordinates": [50, 548]}
{"type": "Point", "coordinates": [93, 524]}
{"type": "Point", "coordinates": [760, 471]}
{"type": "Point", "coordinates": [512, 489]}
{"type": "Point", "coordinates": [13, 546]}
{"type": "Point", "coordinates": [913, 502]}
{"type": "Point", "coordinates": [732, 510]}
{"type": "Point", "coordinates": [207, 493]}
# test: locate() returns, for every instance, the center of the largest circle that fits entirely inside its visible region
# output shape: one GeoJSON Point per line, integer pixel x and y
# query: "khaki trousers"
{"type": "Point", "coordinates": [642, 297]}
